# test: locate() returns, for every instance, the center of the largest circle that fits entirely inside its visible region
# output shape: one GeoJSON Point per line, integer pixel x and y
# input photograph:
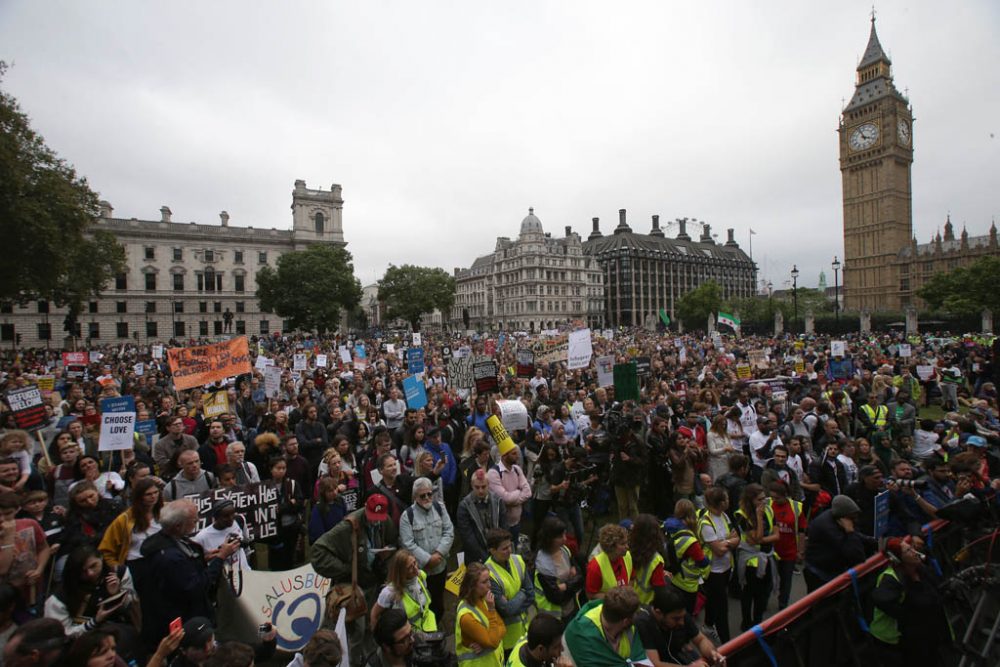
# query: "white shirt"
{"type": "Point", "coordinates": [139, 537]}
{"type": "Point", "coordinates": [748, 419]}
{"type": "Point", "coordinates": [211, 538]}
{"type": "Point", "coordinates": [757, 442]}
{"type": "Point", "coordinates": [717, 531]}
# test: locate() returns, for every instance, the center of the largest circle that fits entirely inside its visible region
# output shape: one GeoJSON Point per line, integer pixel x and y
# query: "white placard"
{"type": "Point", "coordinates": [417, 339]}
{"type": "Point", "coordinates": [299, 363]}
{"type": "Point", "coordinates": [390, 348]}
{"type": "Point", "coordinates": [904, 349]}
{"type": "Point", "coordinates": [925, 372]}
{"type": "Point", "coordinates": [513, 415]}
{"type": "Point", "coordinates": [320, 361]}
{"type": "Point", "coordinates": [345, 355]}
{"type": "Point", "coordinates": [157, 351]}
{"type": "Point", "coordinates": [606, 370]}
{"type": "Point", "coordinates": [838, 348]}
{"type": "Point", "coordinates": [139, 369]}
{"type": "Point", "coordinates": [272, 381]}
{"type": "Point", "coordinates": [117, 428]}
{"type": "Point", "coordinates": [580, 350]}
{"type": "Point", "coordinates": [261, 362]}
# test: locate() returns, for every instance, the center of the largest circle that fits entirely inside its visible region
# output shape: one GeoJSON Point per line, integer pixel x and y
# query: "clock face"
{"type": "Point", "coordinates": [903, 129]}
{"type": "Point", "coordinates": [863, 136]}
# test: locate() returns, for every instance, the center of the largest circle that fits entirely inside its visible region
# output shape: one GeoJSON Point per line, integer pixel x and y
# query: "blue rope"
{"type": "Point", "coordinates": [930, 549]}
{"type": "Point", "coordinates": [857, 596]}
{"type": "Point", "coordinates": [759, 631]}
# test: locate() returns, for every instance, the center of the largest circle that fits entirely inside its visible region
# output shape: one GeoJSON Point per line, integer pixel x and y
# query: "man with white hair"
{"type": "Point", "coordinates": [186, 574]}
{"type": "Point", "coordinates": [426, 530]}
{"type": "Point", "coordinates": [246, 472]}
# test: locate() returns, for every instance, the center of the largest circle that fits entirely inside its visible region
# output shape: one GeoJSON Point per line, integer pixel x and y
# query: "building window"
{"type": "Point", "coordinates": [6, 307]}
{"type": "Point", "coordinates": [209, 280]}
{"type": "Point", "coordinates": [209, 255]}
{"type": "Point", "coordinates": [238, 257]}
{"type": "Point", "coordinates": [217, 327]}
{"type": "Point", "coordinates": [150, 282]}
{"type": "Point", "coordinates": [178, 306]}
{"type": "Point", "coordinates": [217, 307]}
{"type": "Point", "coordinates": [150, 306]}
{"type": "Point", "coordinates": [121, 329]}
{"type": "Point", "coordinates": [178, 254]}
{"type": "Point", "coordinates": [239, 283]}
{"type": "Point", "coordinates": [203, 306]}
{"type": "Point", "coordinates": [178, 329]}
{"type": "Point", "coordinates": [149, 252]}
{"type": "Point", "coordinates": [265, 327]}
{"type": "Point", "coordinates": [121, 307]}
{"type": "Point", "coordinates": [241, 326]}
{"type": "Point", "coordinates": [151, 330]}
{"type": "Point", "coordinates": [178, 282]}
{"type": "Point", "coordinates": [262, 258]}
{"type": "Point", "coordinates": [121, 282]}
{"type": "Point", "coordinates": [6, 332]}
{"type": "Point", "coordinates": [319, 222]}
{"type": "Point", "coordinates": [93, 330]}
{"type": "Point", "coordinates": [203, 328]}
{"type": "Point", "coordinates": [218, 282]}
{"type": "Point", "coordinates": [43, 306]}
{"type": "Point", "coordinates": [44, 331]}
{"type": "Point", "coordinates": [240, 307]}
{"type": "Point", "coordinates": [92, 307]}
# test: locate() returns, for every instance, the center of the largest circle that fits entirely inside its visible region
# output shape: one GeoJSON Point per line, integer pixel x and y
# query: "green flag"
{"type": "Point", "coordinates": [729, 320]}
{"type": "Point", "coordinates": [626, 382]}
{"type": "Point", "coordinates": [664, 317]}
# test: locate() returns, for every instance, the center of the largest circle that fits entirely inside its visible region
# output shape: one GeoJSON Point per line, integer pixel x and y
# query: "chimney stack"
{"type": "Point", "coordinates": [569, 230]}
{"type": "Point", "coordinates": [656, 231]}
{"type": "Point", "coordinates": [622, 227]}
{"type": "Point", "coordinates": [731, 239]}
{"type": "Point", "coordinates": [164, 214]}
{"type": "Point", "coordinates": [106, 209]}
{"type": "Point", "coordinates": [706, 234]}
{"type": "Point", "coordinates": [596, 234]}
{"type": "Point", "coordinates": [225, 218]}
{"type": "Point", "coordinates": [682, 234]}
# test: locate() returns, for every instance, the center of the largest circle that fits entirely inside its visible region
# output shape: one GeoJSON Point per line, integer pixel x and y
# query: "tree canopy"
{"type": "Point", "coordinates": [310, 287]}
{"type": "Point", "coordinates": [410, 291]}
{"type": "Point", "coordinates": [695, 306]}
{"type": "Point", "coordinates": [966, 290]}
{"type": "Point", "coordinates": [47, 218]}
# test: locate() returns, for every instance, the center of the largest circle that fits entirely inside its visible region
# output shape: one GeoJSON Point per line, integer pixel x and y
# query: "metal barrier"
{"type": "Point", "coordinates": [828, 626]}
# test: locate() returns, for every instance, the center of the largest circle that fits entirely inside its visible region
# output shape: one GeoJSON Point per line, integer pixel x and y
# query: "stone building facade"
{"type": "Point", "coordinates": [182, 278]}
{"type": "Point", "coordinates": [531, 283]}
{"type": "Point", "coordinates": [917, 262]}
{"type": "Point", "coordinates": [644, 273]}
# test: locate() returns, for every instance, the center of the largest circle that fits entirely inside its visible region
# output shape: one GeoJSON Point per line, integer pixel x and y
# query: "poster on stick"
{"type": "Point", "coordinates": [117, 424]}
{"type": "Point", "coordinates": [27, 405]}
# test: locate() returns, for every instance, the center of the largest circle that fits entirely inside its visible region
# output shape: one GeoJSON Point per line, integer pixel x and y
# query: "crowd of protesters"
{"type": "Point", "coordinates": [739, 464]}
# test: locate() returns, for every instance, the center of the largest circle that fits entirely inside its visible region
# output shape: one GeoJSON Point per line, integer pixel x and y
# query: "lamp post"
{"type": "Point", "coordinates": [836, 289]}
{"type": "Point", "coordinates": [795, 295]}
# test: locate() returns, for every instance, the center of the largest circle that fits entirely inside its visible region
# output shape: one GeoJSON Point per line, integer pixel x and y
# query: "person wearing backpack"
{"type": "Point", "coordinates": [686, 559]}
{"type": "Point", "coordinates": [426, 531]}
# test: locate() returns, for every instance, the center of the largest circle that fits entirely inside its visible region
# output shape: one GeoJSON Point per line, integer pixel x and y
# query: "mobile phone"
{"type": "Point", "coordinates": [176, 625]}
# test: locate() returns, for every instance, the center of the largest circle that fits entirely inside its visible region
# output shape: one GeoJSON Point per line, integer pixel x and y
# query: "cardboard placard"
{"type": "Point", "coordinates": [203, 364]}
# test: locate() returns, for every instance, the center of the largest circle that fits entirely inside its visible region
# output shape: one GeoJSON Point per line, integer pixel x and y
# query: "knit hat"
{"type": "Point", "coordinates": [844, 506]}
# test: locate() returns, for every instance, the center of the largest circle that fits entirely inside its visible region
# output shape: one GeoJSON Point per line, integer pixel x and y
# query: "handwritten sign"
{"type": "Point", "coordinates": [204, 364]}
{"type": "Point", "coordinates": [743, 371]}
{"type": "Point", "coordinates": [272, 381]}
{"type": "Point", "coordinates": [258, 503]}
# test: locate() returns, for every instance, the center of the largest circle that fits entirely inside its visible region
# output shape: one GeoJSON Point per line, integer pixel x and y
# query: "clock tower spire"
{"type": "Point", "coordinates": [876, 151]}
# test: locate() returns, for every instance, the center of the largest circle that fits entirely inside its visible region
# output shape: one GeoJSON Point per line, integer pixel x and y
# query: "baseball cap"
{"type": "Point", "coordinates": [198, 631]}
{"type": "Point", "coordinates": [976, 441]}
{"type": "Point", "coordinates": [377, 508]}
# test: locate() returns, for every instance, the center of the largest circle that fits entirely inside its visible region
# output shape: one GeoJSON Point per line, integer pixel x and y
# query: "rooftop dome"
{"type": "Point", "coordinates": [531, 224]}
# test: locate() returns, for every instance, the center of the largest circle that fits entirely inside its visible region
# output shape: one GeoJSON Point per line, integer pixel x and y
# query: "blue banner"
{"type": "Point", "coordinates": [416, 395]}
{"type": "Point", "coordinates": [120, 404]}
{"type": "Point", "coordinates": [881, 514]}
{"type": "Point", "coordinates": [148, 428]}
{"type": "Point", "coordinates": [415, 360]}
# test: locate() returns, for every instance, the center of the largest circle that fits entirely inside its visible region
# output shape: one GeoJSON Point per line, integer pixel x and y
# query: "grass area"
{"type": "Point", "coordinates": [936, 413]}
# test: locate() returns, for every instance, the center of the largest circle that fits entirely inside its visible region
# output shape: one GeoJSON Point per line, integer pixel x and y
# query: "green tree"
{"type": "Point", "coordinates": [47, 219]}
{"type": "Point", "coordinates": [966, 290]}
{"type": "Point", "coordinates": [695, 306]}
{"type": "Point", "coordinates": [310, 287]}
{"type": "Point", "coordinates": [410, 291]}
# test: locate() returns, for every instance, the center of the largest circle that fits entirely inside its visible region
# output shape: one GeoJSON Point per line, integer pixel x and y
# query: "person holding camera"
{"type": "Point", "coordinates": [566, 501]}
{"type": "Point", "coordinates": [226, 528]}
{"type": "Point", "coordinates": [629, 458]}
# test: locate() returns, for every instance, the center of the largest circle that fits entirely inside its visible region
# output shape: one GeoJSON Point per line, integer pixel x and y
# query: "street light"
{"type": "Point", "coordinates": [836, 289]}
{"type": "Point", "coordinates": [795, 294]}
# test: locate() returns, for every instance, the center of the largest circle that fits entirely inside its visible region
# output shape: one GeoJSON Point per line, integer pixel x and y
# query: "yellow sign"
{"type": "Point", "coordinates": [500, 435]}
{"type": "Point", "coordinates": [743, 371]}
{"type": "Point", "coordinates": [216, 404]}
{"type": "Point", "coordinates": [800, 367]}
{"type": "Point", "coordinates": [454, 581]}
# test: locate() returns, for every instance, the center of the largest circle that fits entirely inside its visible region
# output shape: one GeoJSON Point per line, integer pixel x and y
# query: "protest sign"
{"type": "Point", "coordinates": [463, 351]}
{"type": "Point", "coordinates": [415, 360]}
{"type": "Point", "coordinates": [743, 371]}
{"type": "Point", "coordinates": [417, 339]}
{"type": "Point", "coordinates": [74, 358]}
{"type": "Point", "coordinates": [881, 514]}
{"type": "Point", "coordinates": [757, 358]}
{"type": "Point", "coordinates": [95, 357]}
{"type": "Point", "coordinates": [390, 348]}
{"type": "Point", "coordinates": [117, 424]}
{"type": "Point", "coordinates": [272, 381]}
{"type": "Point", "coordinates": [923, 372]}
{"type": "Point", "coordinates": [27, 405]}
{"type": "Point", "coordinates": [682, 355]}
{"type": "Point", "coordinates": [293, 602]}
{"type": "Point", "coordinates": [580, 349]}
{"type": "Point", "coordinates": [485, 375]}
{"type": "Point", "coordinates": [262, 362]}
{"type": "Point", "coordinates": [513, 415]}
{"type": "Point", "coordinates": [460, 373]}
{"type": "Point", "coordinates": [299, 362]}
{"type": "Point", "coordinates": [215, 404]}
{"type": "Point", "coordinates": [606, 371]}
{"type": "Point", "coordinates": [553, 354]}
{"type": "Point", "coordinates": [904, 350]}
{"type": "Point", "coordinates": [489, 347]}
{"type": "Point", "coordinates": [258, 503]}
{"type": "Point", "coordinates": [626, 380]}
{"type": "Point", "coordinates": [416, 395]}
{"type": "Point", "coordinates": [147, 427]}
{"type": "Point", "coordinates": [359, 351]}
{"type": "Point", "coordinates": [643, 366]}
{"type": "Point", "coordinates": [525, 362]}
{"type": "Point", "coordinates": [139, 369]}
{"type": "Point", "coordinates": [157, 351]}
{"type": "Point", "coordinates": [838, 348]}
{"type": "Point", "coordinates": [800, 367]}
{"type": "Point", "coordinates": [345, 354]}
{"type": "Point", "coordinates": [46, 384]}
{"type": "Point", "coordinates": [204, 364]}
{"type": "Point", "coordinates": [320, 361]}
{"type": "Point", "coordinates": [446, 352]}
{"type": "Point", "coordinates": [360, 363]}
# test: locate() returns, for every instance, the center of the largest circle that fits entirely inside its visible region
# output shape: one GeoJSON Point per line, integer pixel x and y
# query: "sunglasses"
{"type": "Point", "coordinates": [424, 495]}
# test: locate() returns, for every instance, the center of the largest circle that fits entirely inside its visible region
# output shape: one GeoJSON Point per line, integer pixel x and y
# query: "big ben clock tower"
{"type": "Point", "coordinates": [876, 151]}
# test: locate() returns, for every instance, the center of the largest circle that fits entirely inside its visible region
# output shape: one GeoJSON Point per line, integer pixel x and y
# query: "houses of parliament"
{"type": "Point", "coordinates": [884, 265]}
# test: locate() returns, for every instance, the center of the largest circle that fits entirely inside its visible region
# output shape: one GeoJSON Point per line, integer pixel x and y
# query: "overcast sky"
{"type": "Point", "coordinates": [445, 121]}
